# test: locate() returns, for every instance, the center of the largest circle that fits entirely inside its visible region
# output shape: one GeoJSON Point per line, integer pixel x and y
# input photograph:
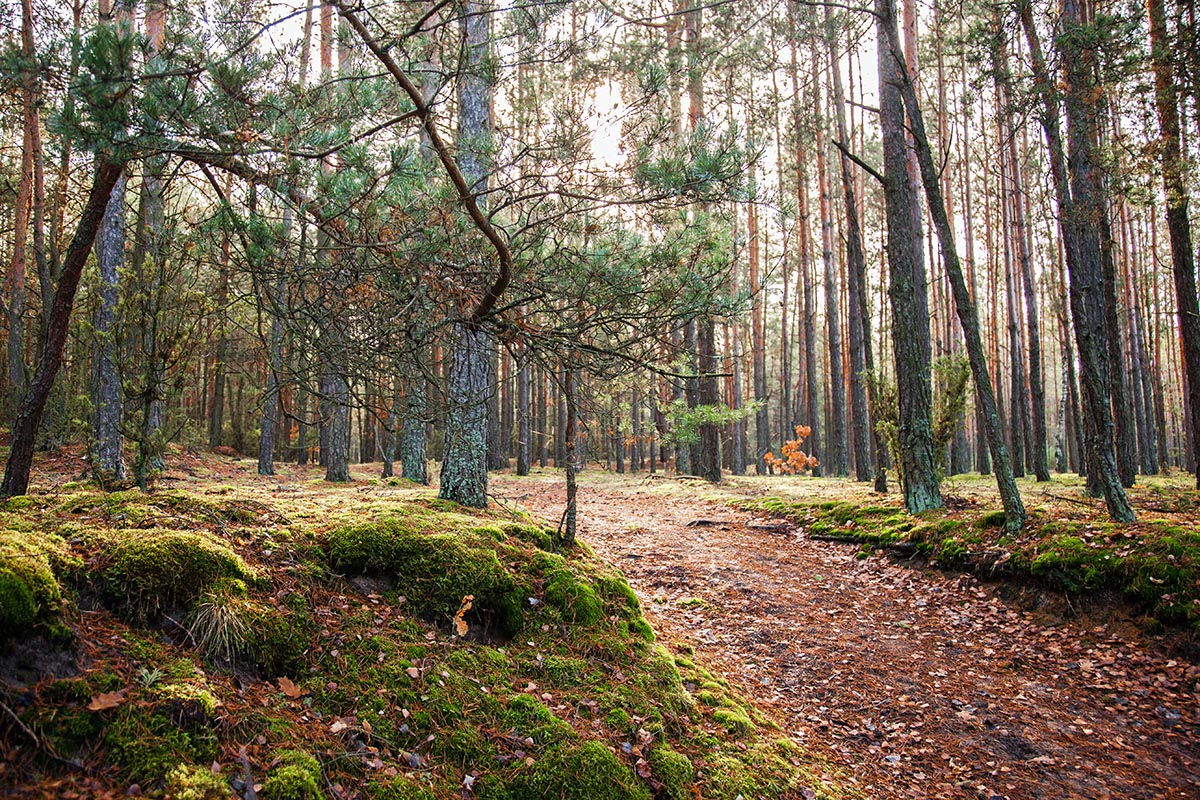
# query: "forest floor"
{"type": "Point", "coordinates": [916, 681]}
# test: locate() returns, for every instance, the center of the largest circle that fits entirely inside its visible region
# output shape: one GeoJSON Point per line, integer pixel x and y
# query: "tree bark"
{"type": "Point", "coordinates": [907, 289]}
{"type": "Point", "coordinates": [1079, 207]}
{"type": "Point", "coordinates": [861, 359]}
{"type": "Point", "coordinates": [837, 462]}
{"type": "Point", "coordinates": [1014, 509]}
{"type": "Point", "coordinates": [33, 404]}
{"type": "Point", "coordinates": [1183, 265]}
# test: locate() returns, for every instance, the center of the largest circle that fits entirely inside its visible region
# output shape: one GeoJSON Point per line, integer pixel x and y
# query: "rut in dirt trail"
{"type": "Point", "coordinates": [913, 682]}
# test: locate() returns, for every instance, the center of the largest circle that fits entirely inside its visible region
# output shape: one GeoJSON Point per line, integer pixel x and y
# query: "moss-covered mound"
{"type": "Point", "coordinates": [1154, 563]}
{"type": "Point", "coordinates": [31, 598]}
{"type": "Point", "coordinates": [336, 646]}
{"type": "Point", "coordinates": [147, 571]}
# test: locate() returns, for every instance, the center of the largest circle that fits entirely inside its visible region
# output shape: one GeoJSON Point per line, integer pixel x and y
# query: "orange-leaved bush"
{"type": "Point", "coordinates": [793, 460]}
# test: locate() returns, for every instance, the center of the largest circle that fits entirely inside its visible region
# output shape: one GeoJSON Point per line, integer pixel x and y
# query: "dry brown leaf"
{"type": "Point", "coordinates": [460, 624]}
{"type": "Point", "coordinates": [290, 689]}
{"type": "Point", "coordinates": [107, 700]}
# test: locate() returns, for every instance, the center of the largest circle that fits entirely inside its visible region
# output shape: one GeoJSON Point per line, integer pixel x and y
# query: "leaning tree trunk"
{"type": "Point", "coordinates": [1014, 509]}
{"type": "Point", "coordinates": [33, 404]}
{"type": "Point", "coordinates": [1183, 265]}
{"type": "Point", "coordinates": [907, 289]}
{"type": "Point", "coordinates": [1078, 209]}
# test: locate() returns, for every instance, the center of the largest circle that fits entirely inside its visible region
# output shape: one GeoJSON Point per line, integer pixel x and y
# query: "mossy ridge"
{"type": "Point", "coordinates": [584, 654]}
{"type": "Point", "coordinates": [1155, 563]}
{"type": "Point", "coordinates": [31, 597]}
{"type": "Point", "coordinates": [146, 571]}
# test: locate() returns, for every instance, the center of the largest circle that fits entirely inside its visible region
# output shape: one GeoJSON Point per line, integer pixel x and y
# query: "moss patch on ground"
{"type": "Point", "coordinates": [396, 644]}
{"type": "Point", "coordinates": [1154, 563]}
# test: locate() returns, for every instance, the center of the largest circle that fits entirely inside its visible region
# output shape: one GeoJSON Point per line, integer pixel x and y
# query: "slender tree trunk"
{"type": "Point", "coordinates": [762, 428]}
{"type": "Point", "coordinates": [414, 462]}
{"type": "Point", "coordinates": [524, 451]}
{"type": "Point", "coordinates": [837, 462]}
{"type": "Point", "coordinates": [567, 526]}
{"type": "Point", "coordinates": [860, 326]}
{"type": "Point", "coordinates": [271, 398]}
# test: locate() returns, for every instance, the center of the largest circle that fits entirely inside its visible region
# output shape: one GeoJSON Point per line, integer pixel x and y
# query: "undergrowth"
{"type": "Point", "coordinates": [397, 648]}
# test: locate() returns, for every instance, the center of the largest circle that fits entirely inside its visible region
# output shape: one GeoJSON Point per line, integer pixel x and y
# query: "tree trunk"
{"type": "Point", "coordinates": [837, 462]}
{"type": "Point", "coordinates": [470, 382]}
{"type": "Point", "coordinates": [33, 404]}
{"type": "Point", "coordinates": [859, 318]}
{"type": "Point", "coordinates": [108, 395]}
{"type": "Point", "coordinates": [1014, 510]}
{"type": "Point", "coordinates": [464, 456]}
{"type": "Point", "coordinates": [758, 367]}
{"type": "Point", "coordinates": [524, 450]}
{"type": "Point", "coordinates": [1183, 265]}
{"type": "Point", "coordinates": [1079, 207]}
{"type": "Point", "coordinates": [907, 290]}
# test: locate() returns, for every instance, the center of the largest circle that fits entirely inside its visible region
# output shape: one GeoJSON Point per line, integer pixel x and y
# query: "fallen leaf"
{"type": "Point", "coordinates": [643, 768]}
{"type": "Point", "coordinates": [338, 726]}
{"type": "Point", "coordinates": [290, 689]}
{"type": "Point", "coordinates": [107, 700]}
{"type": "Point", "coordinates": [460, 624]}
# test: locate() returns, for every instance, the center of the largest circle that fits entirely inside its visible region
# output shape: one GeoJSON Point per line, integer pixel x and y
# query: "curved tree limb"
{"type": "Point", "coordinates": [493, 293]}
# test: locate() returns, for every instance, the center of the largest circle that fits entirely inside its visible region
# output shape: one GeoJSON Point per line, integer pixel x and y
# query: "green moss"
{"type": "Point", "coordinates": [992, 519]}
{"type": "Point", "coordinates": [31, 598]}
{"type": "Point", "coordinates": [187, 782]}
{"type": "Point", "coordinates": [464, 747]}
{"type": "Point", "coordinates": [526, 716]}
{"type": "Point", "coordinates": [434, 571]}
{"type": "Point", "coordinates": [588, 771]}
{"type": "Point", "coordinates": [577, 600]}
{"type": "Point", "coordinates": [674, 770]}
{"type": "Point", "coordinates": [277, 638]}
{"type": "Point", "coordinates": [641, 628]}
{"type": "Point", "coordinates": [152, 570]}
{"type": "Point", "coordinates": [399, 788]}
{"type": "Point", "coordinates": [619, 595]}
{"type": "Point", "coordinates": [145, 746]}
{"type": "Point", "coordinates": [535, 535]}
{"type": "Point", "coordinates": [19, 503]}
{"type": "Point", "coordinates": [733, 720]}
{"type": "Point", "coordinates": [726, 777]}
{"type": "Point", "coordinates": [295, 775]}
{"type": "Point", "coordinates": [187, 704]}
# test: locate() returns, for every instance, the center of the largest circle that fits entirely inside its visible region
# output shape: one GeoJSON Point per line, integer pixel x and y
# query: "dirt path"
{"type": "Point", "coordinates": [916, 683]}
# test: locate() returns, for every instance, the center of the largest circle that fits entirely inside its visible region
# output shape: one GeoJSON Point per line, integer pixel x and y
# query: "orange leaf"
{"type": "Point", "coordinates": [290, 689]}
